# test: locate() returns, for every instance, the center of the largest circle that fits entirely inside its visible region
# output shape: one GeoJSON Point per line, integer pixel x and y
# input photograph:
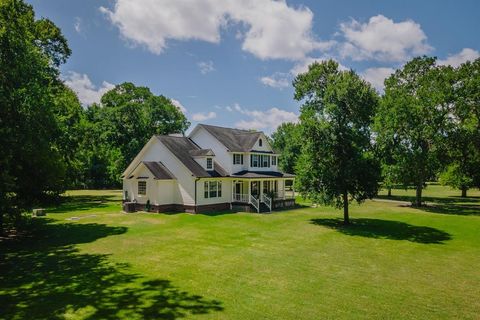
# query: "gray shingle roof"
{"type": "Point", "coordinates": [235, 140]}
{"type": "Point", "coordinates": [201, 152]}
{"type": "Point", "coordinates": [261, 174]}
{"type": "Point", "coordinates": [182, 147]}
{"type": "Point", "coordinates": [158, 170]}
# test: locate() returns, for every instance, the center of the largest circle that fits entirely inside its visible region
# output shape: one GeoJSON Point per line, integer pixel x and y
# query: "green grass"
{"type": "Point", "coordinates": [394, 262]}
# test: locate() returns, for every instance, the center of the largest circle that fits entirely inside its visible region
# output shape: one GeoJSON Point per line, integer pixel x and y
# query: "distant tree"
{"type": "Point", "coordinates": [463, 171]}
{"type": "Point", "coordinates": [70, 119]}
{"type": "Point", "coordinates": [337, 164]}
{"type": "Point", "coordinates": [30, 54]}
{"type": "Point", "coordinates": [287, 140]}
{"type": "Point", "coordinates": [412, 119]}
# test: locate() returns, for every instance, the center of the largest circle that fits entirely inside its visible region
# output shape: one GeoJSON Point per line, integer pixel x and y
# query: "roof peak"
{"type": "Point", "coordinates": [228, 128]}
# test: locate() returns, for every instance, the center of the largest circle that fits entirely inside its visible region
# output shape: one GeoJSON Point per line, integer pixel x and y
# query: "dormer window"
{"type": "Point", "coordinates": [209, 164]}
{"type": "Point", "coordinates": [260, 142]}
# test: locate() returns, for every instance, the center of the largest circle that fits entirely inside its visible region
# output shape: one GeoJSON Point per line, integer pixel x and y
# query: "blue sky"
{"type": "Point", "coordinates": [231, 62]}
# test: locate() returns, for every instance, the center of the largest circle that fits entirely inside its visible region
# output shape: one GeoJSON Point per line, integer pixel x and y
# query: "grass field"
{"type": "Point", "coordinates": [88, 260]}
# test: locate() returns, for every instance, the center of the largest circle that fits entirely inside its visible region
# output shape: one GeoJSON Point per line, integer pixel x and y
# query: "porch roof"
{"type": "Point", "coordinates": [261, 174]}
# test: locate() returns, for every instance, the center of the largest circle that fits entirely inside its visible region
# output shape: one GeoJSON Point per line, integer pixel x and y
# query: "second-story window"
{"type": "Point", "coordinates": [237, 158]}
{"type": "Point", "coordinates": [274, 160]}
{"type": "Point", "coordinates": [209, 164]}
{"type": "Point", "coordinates": [260, 161]}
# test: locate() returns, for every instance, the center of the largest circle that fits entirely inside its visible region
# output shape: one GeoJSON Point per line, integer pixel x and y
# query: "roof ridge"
{"type": "Point", "coordinates": [244, 130]}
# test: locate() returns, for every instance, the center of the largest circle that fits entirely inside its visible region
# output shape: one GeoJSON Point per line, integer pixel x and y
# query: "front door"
{"type": "Point", "coordinates": [255, 188]}
{"type": "Point", "coordinates": [238, 187]}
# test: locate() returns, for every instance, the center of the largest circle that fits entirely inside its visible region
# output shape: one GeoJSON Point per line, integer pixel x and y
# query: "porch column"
{"type": "Point", "coordinates": [261, 188]}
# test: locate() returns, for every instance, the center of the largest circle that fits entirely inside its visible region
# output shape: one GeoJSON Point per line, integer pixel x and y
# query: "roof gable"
{"type": "Point", "coordinates": [182, 148]}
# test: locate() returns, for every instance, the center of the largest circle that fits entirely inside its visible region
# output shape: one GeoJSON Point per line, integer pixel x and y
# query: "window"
{"type": "Point", "coordinates": [260, 161]}
{"type": "Point", "coordinates": [254, 160]}
{"type": "Point", "coordinates": [265, 161]}
{"type": "Point", "coordinates": [142, 188]}
{"type": "Point", "coordinates": [237, 158]}
{"type": "Point", "coordinates": [260, 142]}
{"type": "Point", "coordinates": [209, 164]}
{"type": "Point", "coordinates": [274, 160]}
{"type": "Point", "coordinates": [288, 185]}
{"type": "Point", "coordinates": [212, 189]}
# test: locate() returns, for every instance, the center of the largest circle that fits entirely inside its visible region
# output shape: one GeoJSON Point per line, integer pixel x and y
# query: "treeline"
{"type": "Point", "coordinates": [48, 141]}
{"type": "Point", "coordinates": [426, 126]}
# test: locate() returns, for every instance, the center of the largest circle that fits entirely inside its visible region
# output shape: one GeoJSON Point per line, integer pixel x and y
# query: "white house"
{"type": "Point", "coordinates": [214, 168]}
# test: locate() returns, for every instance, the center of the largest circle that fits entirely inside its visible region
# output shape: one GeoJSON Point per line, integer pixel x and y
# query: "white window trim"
{"type": "Point", "coordinates": [138, 188]}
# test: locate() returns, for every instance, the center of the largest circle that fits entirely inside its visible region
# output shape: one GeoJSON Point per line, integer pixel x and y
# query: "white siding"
{"type": "Point", "coordinates": [183, 191]}
{"type": "Point", "coordinates": [206, 141]}
{"type": "Point", "coordinates": [226, 192]}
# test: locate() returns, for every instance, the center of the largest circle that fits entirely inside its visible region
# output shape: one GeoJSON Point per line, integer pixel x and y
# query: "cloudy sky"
{"type": "Point", "coordinates": [231, 63]}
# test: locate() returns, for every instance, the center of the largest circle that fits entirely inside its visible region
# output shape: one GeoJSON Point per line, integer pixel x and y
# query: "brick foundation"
{"type": "Point", "coordinates": [183, 208]}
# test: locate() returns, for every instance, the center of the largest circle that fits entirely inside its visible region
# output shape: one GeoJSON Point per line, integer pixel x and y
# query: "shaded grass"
{"type": "Point", "coordinates": [386, 229]}
{"type": "Point", "coordinates": [46, 277]}
{"type": "Point", "coordinates": [439, 199]}
{"type": "Point", "coordinates": [394, 262]}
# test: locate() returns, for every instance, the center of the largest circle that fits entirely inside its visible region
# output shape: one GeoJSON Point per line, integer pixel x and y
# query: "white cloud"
{"type": "Point", "coordinates": [267, 120]}
{"type": "Point", "coordinates": [206, 66]}
{"type": "Point", "coordinates": [376, 76]}
{"type": "Point", "coordinates": [180, 106]}
{"type": "Point", "coordinates": [77, 25]}
{"type": "Point", "coordinates": [87, 92]}
{"type": "Point", "coordinates": [268, 29]}
{"type": "Point", "coordinates": [465, 55]}
{"type": "Point", "coordinates": [383, 39]}
{"type": "Point", "coordinates": [277, 80]}
{"type": "Point", "coordinates": [204, 116]}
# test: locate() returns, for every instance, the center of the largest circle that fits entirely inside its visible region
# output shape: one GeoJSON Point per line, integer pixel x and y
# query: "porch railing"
{"type": "Point", "coordinates": [255, 202]}
{"type": "Point", "coordinates": [240, 197]}
{"type": "Point", "coordinates": [268, 201]}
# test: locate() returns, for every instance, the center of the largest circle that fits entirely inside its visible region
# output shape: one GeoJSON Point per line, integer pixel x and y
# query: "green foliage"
{"type": "Point", "coordinates": [454, 176]}
{"type": "Point", "coordinates": [287, 140]}
{"type": "Point", "coordinates": [31, 51]}
{"type": "Point", "coordinates": [411, 122]}
{"type": "Point", "coordinates": [463, 139]}
{"type": "Point", "coordinates": [337, 164]}
{"type": "Point", "coordinates": [118, 129]}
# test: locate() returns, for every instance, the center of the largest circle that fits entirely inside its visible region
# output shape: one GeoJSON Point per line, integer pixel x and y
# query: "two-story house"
{"type": "Point", "coordinates": [212, 169]}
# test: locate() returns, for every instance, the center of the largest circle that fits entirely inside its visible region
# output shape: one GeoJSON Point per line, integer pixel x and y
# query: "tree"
{"type": "Point", "coordinates": [287, 140]}
{"type": "Point", "coordinates": [120, 126]}
{"type": "Point", "coordinates": [412, 119]}
{"type": "Point", "coordinates": [30, 55]}
{"type": "Point", "coordinates": [337, 164]}
{"type": "Point", "coordinates": [463, 141]}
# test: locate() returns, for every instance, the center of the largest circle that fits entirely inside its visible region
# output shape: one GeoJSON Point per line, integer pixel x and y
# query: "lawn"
{"type": "Point", "coordinates": [88, 260]}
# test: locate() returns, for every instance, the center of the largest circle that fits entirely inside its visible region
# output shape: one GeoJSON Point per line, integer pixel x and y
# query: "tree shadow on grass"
{"type": "Point", "coordinates": [84, 202]}
{"type": "Point", "coordinates": [46, 277]}
{"type": "Point", "coordinates": [386, 229]}
{"type": "Point", "coordinates": [469, 206]}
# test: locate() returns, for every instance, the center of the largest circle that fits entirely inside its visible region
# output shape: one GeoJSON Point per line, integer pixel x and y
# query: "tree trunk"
{"type": "Point", "coordinates": [464, 192]}
{"type": "Point", "coordinates": [389, 192]}
{"type": "Point", "coordinates": [346, 219]}
{"type": "Point", "coordinates": [418, 198]}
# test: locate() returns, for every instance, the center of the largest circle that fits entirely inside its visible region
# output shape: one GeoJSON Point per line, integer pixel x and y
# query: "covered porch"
{"type": "Point", "coordinates": [265, 194]}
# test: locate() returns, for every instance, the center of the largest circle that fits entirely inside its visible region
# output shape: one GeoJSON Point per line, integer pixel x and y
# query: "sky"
{"type": "Point", "coordinates": [231, 63]}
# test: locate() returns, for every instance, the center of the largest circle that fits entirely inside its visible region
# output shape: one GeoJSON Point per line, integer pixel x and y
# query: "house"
{"type": "Point", "coordinates": [212, 169]}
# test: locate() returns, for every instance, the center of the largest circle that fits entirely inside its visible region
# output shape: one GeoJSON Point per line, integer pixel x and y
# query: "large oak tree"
{"type": "Point", "coordinates": [337, 164]}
